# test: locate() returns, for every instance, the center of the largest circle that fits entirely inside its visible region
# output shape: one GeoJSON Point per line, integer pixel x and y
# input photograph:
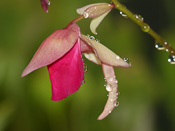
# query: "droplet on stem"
{"type": "Point", "coordinates": [159, 46]}
{"type": "Point", "coordinates": [171, 59]}
{"type": "Point", "coordinates": [139, 17]}
{"type": "Point", "coordinates": [123, 14]}
{"type": "Point", "coordinates": [145, 27]}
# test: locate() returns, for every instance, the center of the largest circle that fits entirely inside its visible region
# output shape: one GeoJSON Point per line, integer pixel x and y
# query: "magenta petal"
{"type": "Point", "coordinates": [53, 48]}
{"type": "Point", "coordinates": [45, 5]}
{"type": "Point", "coordinates": [67, 73]}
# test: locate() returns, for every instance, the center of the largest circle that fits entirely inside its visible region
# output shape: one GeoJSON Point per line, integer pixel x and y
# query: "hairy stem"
{"type": "Point", "coordinates": [144, 26]}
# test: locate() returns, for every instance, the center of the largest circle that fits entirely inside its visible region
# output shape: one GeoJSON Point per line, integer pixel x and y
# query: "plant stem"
{"type": "Point", "coordinates": [144, 26]}
{"type": "Point", "coordinates": [77, 19]}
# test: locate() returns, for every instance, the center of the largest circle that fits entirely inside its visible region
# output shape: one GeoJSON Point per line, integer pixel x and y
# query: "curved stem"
{"type": "Point", "coordinates": [77, 19]}
{"type": "Point", "coordinates": [144, 26]}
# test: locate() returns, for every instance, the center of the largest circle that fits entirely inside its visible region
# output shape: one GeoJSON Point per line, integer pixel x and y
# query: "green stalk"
{"type": "Point", "coordinates": [144, 26]}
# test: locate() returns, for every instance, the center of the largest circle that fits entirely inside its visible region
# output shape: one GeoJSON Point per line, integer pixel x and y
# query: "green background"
{"type": "Point", "coordinates": [147, 100]}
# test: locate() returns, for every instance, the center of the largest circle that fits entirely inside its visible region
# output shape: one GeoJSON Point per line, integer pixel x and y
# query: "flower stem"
{"type": "Point", "coordinates": [77, 19]}
{"type": "Point", "coordinates": [144, 26]}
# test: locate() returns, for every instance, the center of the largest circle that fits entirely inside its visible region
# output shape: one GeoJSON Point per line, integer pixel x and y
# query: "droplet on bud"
{"type": "Point", "coordinates": [171, 59]}
{"type": "Point", "coordinates": [123, 14]}
{"type": "Point", "coordinates": [145, 27]}
{"type": "Point", "coordinates": [159, 46]}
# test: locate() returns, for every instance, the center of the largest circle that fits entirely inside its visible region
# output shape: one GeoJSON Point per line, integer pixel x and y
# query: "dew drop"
{"type": "Point", "coordinates": [87, 35]}
{"type": "Point", "coordinates": [117, 57]}
{"type": "Point", "coordinates": [139, 17]}
{"type": "Point", "coordinates": [171, 59]}
{"type": "Point", "coordinates": [123, 14]}
{"type": "Point", "coordinates": [116, 104]}
{"type": "Point", "coordinates": [86, 15]}
{"type": "Point", "coordinates": [48, 2]}
{"type": "Point", "coordinates": [127, 60]}
{"type": "Point", "coordinates": [108, 88]}
{"type": "Point", "coordinates": [159, 46]}
{"type": "Point", "coordinates": [83, 82]}
{"type": "Point", "coordinates": [145, 27]}
{"type": "Point", "coordinates": [116, 81]}
{"type": "Point", "coordinates": [85, 68]}
{"type": "Point", "coordinates": [92, 37]}
{"type": "Point", "coordinates": [109, 111]}
{"type": "Point", "coordinates": [97, 40]}
{"type": "Point", "coordinates": [167, 50]}
{"type": "Point", "coordinates": [110, 79]}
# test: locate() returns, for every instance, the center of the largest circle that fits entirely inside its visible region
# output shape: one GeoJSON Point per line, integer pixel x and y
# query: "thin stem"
{"type": "Point", "coordinates": [144, 26]}
{"type": "Point", "coordinates": [77, 19]}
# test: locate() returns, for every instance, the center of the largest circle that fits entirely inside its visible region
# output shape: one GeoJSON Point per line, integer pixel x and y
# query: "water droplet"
{"type": "Point", "coordinates": [86, 15]}
{"type": "Point", "coordinates": [159, 46]}
{"type": "Point", "coordinates": [87, 35]}
{"type": "Point", "coordinates": [167, 50]}
{"type": "Point", "coordinates": [48, 2]}
{"type": "Point", "coordinates": [85, 68]}
{"type": "Point", "coordinates": [145, 27]}
{"type": "Point", "coordinates": [111, 100]}
{"type": "Point", "coordinates": [109, 111]}
{"type": "Point", "coordinates": [171, 59]}
{"type": "Point", "coordinates": [116, 104]}
{"type": "Point", "coordinates": [117, 57]}
{"type": "Point", "coordinates": [110, 79]}
{"type": "Point", "coordinates": [127, 60]}
{"type": "Point", "coordinates": [116, 81]}
{"type": "Point", "coordinates": [139, 17]}
{"type": "Point", "coordinates": [172, 52]}
{"type": "Point", "coordinates": [118, 93]}
{"type": "Point", "coordinates": [108, 88]}
{"type": "Point", "coordinates": [83, 82]}
{"type": "Point", "coordinates": [92, 37]}
{"type": "Point", "coordinates": [97, 40]}
{"type": "Point", "coordinates": [123, 14]}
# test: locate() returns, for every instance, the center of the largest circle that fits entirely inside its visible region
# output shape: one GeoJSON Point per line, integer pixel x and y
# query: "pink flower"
{"type": "Point", "coordinates": [45, 5]}
{"type": "Point", "coordinates": [61, 53]}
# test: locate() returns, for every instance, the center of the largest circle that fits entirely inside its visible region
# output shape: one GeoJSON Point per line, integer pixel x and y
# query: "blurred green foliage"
{"type": "Point", "coordinates": [146, 89]}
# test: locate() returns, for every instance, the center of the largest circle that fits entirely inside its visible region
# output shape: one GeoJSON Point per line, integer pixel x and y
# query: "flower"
{"type": "Point", "coordinates": [45, 5]}
{"type": "Point", "coordinates": [61, 53]}
{"type": "Point", "coordinates": [96, 11]}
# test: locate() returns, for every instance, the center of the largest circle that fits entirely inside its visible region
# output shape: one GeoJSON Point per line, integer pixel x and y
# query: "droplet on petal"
{"type": "Point", "coordinates": [127, 60]}
{"type": "Point", "coordinates": [108, 88]}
